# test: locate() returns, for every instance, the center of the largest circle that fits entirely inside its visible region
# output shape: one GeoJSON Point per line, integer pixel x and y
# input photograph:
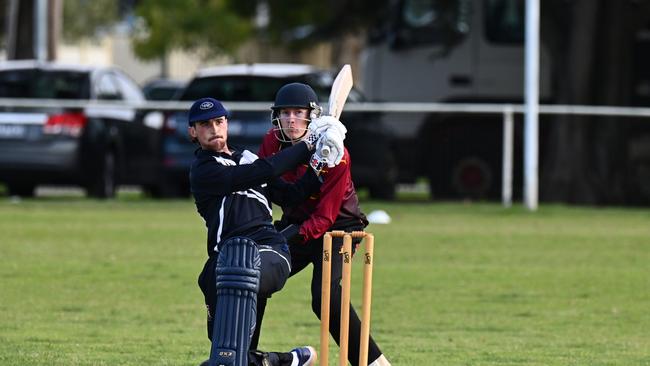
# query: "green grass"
{"type": "Point", "coordinates": [84, 282]}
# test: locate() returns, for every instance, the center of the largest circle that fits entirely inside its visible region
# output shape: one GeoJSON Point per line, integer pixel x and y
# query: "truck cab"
{"type": "Point", "coordinates": [455, 51]}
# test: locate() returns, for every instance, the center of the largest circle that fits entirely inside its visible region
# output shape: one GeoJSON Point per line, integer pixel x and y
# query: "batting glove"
{"type": "Point", "coordinates": [330, 147]}
{"type": "Point", "coordinates": [318, 126]}
{"type": "Point", "coordinates": [317, 162]}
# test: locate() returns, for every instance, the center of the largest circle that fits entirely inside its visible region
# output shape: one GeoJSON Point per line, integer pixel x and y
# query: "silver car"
{"type": "Point", "coordinates": [97, 148]}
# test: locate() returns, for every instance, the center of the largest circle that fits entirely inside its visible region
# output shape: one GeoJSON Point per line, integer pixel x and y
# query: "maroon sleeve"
{"type": "Point", "coordinates": [331, 197]}
{"type": "Point", "coordinates": [270, 145]}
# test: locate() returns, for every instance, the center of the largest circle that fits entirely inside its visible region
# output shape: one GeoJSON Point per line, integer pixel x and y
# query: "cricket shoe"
{"type": "Point", "coordinates": [303, 356]}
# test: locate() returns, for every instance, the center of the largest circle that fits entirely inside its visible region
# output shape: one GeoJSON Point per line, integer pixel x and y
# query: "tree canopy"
{"type": "Point", "coordinates": [211, 25]}
{"type": "Point", "coordinates": [83, 18]}
{"type": "Point", "coordinates": [220, 26]}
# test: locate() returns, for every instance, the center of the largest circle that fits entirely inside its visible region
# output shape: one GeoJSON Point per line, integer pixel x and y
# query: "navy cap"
{"type": "Point", "coordinates": [205, 109]}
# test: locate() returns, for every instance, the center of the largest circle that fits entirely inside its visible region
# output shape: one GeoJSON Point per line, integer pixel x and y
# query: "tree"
{"type": "Point", "coordinates": [83, 19]}
{"type": "Point", "coordinates": [301, 24]}
{"type": "Point", "coordinates": [208, 25]}
{"type": "Point", "coordinates": [592, 66]}
{"type": "Point", "coordinates": [19, 22]}
{"type": "Point", "coordinates": [220, 26]}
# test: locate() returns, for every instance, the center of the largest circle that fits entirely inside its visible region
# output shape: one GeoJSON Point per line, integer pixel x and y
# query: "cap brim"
{"type": "Point", "coordinates": [208, 116]}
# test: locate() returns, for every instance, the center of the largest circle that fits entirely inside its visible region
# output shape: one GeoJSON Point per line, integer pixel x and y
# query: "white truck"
{"type": "Point", "coordinates": [468, 51]}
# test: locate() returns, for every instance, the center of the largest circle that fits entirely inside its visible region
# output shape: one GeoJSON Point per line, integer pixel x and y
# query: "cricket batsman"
{"type": "Point", "coordinates": [247, 258]}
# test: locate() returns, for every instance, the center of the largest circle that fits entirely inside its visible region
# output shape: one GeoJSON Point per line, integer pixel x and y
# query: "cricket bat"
{"type": "Point", "coordinates": [338, 95]}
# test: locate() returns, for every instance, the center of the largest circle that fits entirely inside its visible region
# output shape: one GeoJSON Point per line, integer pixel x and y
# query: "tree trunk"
{"type": "Point", "coordinates": [613, 165]}
{"type": "Point", "coordinates": [565, 175]}
{"type": "Point", "coordinates": [20, 32]}
{"type": "Point", "coordinates": [608, 147]}
{"type": "Point", "coordinates": [54, 19]}
{"type": "Point", "coordinates": [21, 28]}
{"type": "Point", "coordinates": [586, 159]}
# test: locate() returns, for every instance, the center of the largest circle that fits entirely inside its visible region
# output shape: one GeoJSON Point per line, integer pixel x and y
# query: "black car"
{"type": "Point", "coordinates": [373, 166]}
{"type": "Point", "coordinates": [162, 89]}
{"type": "Point", "coordinates": [96, 147]}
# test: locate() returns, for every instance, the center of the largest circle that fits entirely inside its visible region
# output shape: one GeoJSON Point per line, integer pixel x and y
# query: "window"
{"type": "Point", "coordinates": [258, 88]}
{"type": "Point", "coordinates": [129, 89]}
{"type": "Point", "coordinates": [233, 88]}
{"type": "Point", "coordinates": [106, 88]}
{"type": "Point", "coordinates": [432, 21]}
{"type": "Point", "coordinates": [505, 21]}
{"type": "Point", "coordinates": [36, 83]}
{"type": "Point", "coordinates": [419, 13]}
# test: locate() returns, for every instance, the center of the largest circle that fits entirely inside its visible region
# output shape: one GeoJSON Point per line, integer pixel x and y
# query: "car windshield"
{"type": "Point", "coordinates": [242, 88]}
{"type": "Point", "coordinates": [257, 88]}
{"type": "Point", "coordinates": [161, 93]}
{"type": "Point", "coordinates": [44, 84]}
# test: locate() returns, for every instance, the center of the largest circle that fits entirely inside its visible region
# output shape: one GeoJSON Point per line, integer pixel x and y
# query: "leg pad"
{"type": "Point", "coordinates": [238, 281]}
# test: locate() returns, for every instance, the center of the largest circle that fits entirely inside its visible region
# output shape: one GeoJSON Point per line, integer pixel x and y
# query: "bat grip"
{"type": "Point", "coordinates": [325, 151]}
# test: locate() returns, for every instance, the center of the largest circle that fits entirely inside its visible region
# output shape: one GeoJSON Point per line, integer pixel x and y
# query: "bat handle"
{"type": "Point", "coordinates": [325, 151]}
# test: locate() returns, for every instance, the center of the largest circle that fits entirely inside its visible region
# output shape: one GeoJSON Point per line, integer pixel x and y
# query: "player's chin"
{"type": "Point", "coordinates": [216, 144]}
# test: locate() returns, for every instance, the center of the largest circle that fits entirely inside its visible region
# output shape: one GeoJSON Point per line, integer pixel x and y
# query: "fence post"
{"type": "Point", "coordinates": [506, 174]}
{"type": "Point", "coordinates": [531, 130]}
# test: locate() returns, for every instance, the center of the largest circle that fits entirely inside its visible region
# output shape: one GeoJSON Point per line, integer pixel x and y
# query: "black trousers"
{"type": "Point", "coordinates": [312, 253]}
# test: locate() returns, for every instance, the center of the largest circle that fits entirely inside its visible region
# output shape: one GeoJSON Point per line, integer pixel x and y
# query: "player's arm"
{"type": "Point", "coordinates": [331, 198]}
{"type": "Point", "coordinates": [217, 178]}
{"type": "Point", "coordinates": [285, 194]}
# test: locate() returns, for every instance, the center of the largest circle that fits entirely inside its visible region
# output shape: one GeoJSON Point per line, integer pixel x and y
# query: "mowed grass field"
{"type": "Point", "coordinates": [85, 282]}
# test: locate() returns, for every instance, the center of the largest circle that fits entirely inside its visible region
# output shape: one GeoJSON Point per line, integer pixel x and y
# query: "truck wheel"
{"type": "Point", "coordinates": [471, 177]}
{"type": "Point", "coordinates": [104, 185]}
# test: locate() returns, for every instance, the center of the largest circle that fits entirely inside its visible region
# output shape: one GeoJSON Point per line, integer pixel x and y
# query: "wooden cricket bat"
{"type": "Point", "coordinates": [338, 95]}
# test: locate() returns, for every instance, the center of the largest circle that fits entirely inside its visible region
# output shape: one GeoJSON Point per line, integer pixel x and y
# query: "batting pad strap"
{"type": "Point", "coordinates": [238, 278]}
{"type": "Point", "coordinates": [237, 285]}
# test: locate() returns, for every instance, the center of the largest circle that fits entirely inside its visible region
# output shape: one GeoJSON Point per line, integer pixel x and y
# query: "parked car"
{"type": "Point", "coordinates": [372, 163]}
{"type": "Point", "coordinates": [97, 148]}
{"type": "Point", "coordinates": [162, 89]}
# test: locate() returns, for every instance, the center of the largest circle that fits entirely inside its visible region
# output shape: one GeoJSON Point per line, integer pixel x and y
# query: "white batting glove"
{"type": "Point", "coordinates": [319, 125]}
{"type": "Point", "coordinates": [330, 147]}
{"type": "Point", "coordinates": [333, 122]}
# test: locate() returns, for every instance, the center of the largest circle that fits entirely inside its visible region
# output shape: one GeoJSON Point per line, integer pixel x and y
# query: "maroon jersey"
{"type": "Point", "coordinates": [335, 206]}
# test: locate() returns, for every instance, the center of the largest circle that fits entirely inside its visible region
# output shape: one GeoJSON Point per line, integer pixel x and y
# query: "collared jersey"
{"type": "Point", "coordinates": [334, 207]}
{"type": "Point", "coordinates": [232, 195]}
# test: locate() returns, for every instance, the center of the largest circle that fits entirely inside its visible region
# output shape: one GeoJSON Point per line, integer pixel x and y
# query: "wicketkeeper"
{"type": "Point", "coordinates": [334, 207]}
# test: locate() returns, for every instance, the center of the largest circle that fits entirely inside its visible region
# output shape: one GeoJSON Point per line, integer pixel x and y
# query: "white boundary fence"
{"type": "Point", "coordinates": [506, 110]}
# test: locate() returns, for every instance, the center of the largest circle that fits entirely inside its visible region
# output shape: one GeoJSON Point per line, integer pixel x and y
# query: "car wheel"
{"type": "Point", "coordinates": [382, 191]}
{"type": "Point", "coordinates": [168, 190]}
{"type": "Point", "coordinates": [104, 185]}
{"type": "Point", "coordinates": [22, 190]}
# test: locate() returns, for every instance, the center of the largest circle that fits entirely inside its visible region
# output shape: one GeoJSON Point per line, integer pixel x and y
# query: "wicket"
{"type": "Point", "coordinates": [346, 252]}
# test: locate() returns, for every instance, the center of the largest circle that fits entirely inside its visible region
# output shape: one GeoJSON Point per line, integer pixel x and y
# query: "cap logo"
{"type": "Point", "coordinates": [206, 105]}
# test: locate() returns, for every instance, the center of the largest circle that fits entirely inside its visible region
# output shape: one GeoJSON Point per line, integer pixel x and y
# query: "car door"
{"type": "Point", "coordinates": [140, 138]}
{"type": "Point", "coordinates": [109, 123]}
